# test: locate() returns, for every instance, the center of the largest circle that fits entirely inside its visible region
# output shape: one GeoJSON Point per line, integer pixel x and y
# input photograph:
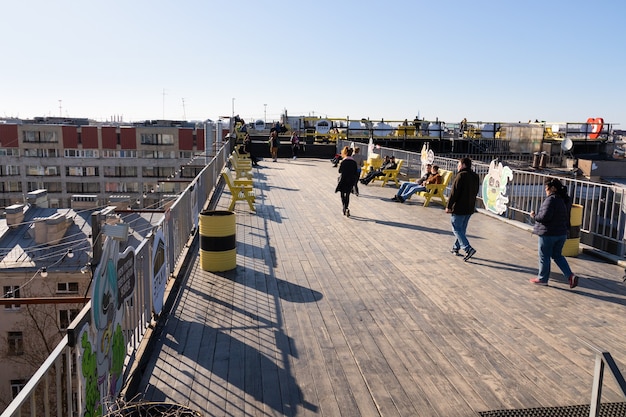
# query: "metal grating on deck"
{"type": "Point", "coordinates": [606, 410]}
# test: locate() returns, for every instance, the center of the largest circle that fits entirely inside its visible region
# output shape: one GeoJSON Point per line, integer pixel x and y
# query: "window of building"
{"type": "Point", "coordinates": [157, 139]}
{"type": "Point", "coordinates": [16, 386]}
{"type": "Point", "coordinates": [52, 171]}
{"type": "Point", "coordinates": [36, 136]}
{"type": "Point", "coordinates": [10, 186]}
{"type": "Point", "coordinates": [34, 170]}
{"type": "Point", "coordinates": [52, 187]}
{"type": "Point", "coordinates": [31, 136]}
{"type": "Point", "coordinates": [16, 343]}
{"type": "Point", "coordinates": [81, 171]}
{"type": "Point", "coordinates": [11, 291]}
{"type": "Point", "coordinates": [50, 137]}
{"type": "Point", "coordinates": [66, 317]}
{"type": "Point", "coordinates": [119, 154]}
{"type": "Point", "coordinates": [88, 187]}
{"type": "Point", "coordinates": [9, 152]}
{"type": "Point", "coordinates": [190, 171]}
{"type": "Point", "coordinates": [41, 171]}
{"type": "Point", "coordinates": [42, 153]}
{"type": "Point", "coordinates": [160, 172]}
{"type": "Point", "coordinates": [81, 153]}
{"type": "Point", "coordinates": [67, 287]}
{"type": "Point", "coordinates": [158, 154]}
{"type": "Point", "coordinates": [12, 170]}
{"type": "Point", "coordinates": [111, 171]}
{"type": "Point", "coordinates": [75, 171]}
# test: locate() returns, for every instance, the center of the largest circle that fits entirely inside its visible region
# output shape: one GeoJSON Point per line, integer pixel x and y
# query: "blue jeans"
{"type": "Point", "coordinates": [407, 189]}
{"type": "Point", "coordinates": [550, 247]}
{"type": "Point", "coordinates": [459, 227]}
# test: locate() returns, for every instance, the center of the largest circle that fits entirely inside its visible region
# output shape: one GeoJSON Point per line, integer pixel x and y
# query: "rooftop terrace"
{"type": "Point", "coordinates": [372, 316]}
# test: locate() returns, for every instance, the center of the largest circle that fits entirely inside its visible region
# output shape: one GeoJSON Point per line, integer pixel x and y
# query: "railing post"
{"type": "Point", "coordinates": [596, 391]}
{"type": "Point", "coordinates": [602, 359]}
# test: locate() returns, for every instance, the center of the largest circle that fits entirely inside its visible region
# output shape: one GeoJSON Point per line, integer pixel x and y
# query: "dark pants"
{"type": "Point", "coordinates": [371, 176]}
{"type": "Point", "coordinates": [345, 199]}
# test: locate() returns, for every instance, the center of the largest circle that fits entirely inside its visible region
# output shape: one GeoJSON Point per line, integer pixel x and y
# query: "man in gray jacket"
{"type": "Point", "coordinates": [462, 204]}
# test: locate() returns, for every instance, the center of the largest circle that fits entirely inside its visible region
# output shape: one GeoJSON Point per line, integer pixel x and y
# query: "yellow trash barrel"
{"type": "Point", "coordinates": [218, 243]}
{"type": "Point", "coordinates": [576, 220]}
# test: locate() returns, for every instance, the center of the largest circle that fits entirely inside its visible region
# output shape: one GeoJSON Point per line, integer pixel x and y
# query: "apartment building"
{"type": "Point", "coordinates": [140, 165]}
{"type": "Point", "coordinates": [47, 260]}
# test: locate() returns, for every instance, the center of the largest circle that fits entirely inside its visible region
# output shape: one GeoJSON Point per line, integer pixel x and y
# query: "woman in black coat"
{"type": "Point", "coordinates": [551, 225]}
{"type": "Point", "coordinates": [348, 175]}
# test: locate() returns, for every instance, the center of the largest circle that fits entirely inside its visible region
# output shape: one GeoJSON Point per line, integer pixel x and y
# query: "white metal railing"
{"type": "Point", "coordinates": [603, 360]}
{"type": "Point", "coordinates": [604, 205]}
{"type": "Point", "coordinates": [41, 397]}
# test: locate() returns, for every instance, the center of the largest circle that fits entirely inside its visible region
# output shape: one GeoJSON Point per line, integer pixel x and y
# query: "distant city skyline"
{"type": "Point", "coordinates": [485, 60]}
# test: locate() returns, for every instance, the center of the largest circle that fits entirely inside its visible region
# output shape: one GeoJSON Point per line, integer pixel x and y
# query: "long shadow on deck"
{"type": "Point", "coordinates": [236, 364]}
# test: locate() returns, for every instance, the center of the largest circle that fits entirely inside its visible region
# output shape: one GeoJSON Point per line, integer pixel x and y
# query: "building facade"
{"type": "Point", "coordinates": [136, 165]}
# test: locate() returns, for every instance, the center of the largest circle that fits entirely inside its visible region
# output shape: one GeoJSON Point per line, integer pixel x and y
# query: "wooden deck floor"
{"type": "Point", "coordinates": [372, 316]}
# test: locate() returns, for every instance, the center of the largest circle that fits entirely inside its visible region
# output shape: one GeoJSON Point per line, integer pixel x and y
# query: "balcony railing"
{"type": "Point", "coordinates": [55, 389]}
{"type": "Point", "coordinates": [604, 205]}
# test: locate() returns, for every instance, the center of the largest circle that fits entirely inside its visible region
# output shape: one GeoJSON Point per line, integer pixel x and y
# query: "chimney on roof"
{"type": "Point", "coordinates": [14, 215]}
{"type": "Point", "coordinates": [38, 198]}
{"type": "Point", "coordinates": [51, 230]}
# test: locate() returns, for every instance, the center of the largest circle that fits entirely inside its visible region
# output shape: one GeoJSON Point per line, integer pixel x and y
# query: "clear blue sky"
{"type": "Point", "coordinates": [487, 60]}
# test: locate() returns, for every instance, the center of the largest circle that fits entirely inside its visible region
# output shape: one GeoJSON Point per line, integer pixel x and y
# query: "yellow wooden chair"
{"type": "Point", "coordinates": [241, 167]}
{"type": "Point", "coordinates": [241, 156]}
{"type": "Point", "coordinates": [437, 190]}
{"type": "Point", "coordinates": [240, 189]}
{"type": "Point", "coordinates": [390, 174]}
{"type": "Point", "coordinates": [373, 163]}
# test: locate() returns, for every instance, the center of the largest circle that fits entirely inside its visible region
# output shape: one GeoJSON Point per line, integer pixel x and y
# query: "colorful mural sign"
{"type": "Point", "coordinates": [102, 340]}
{"type": "Point", "coordinates": [427, 156]}
{"type": "Point", "coordinates": [494, 187]}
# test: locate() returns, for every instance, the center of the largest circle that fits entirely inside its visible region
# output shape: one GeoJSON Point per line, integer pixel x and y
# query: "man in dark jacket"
{"type": "Point", "coordinates": [462, 204]}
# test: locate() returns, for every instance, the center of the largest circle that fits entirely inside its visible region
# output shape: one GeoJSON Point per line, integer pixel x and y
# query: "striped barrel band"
{"type": "Point", "coordinates": [218, 244]}
{"type": "Point", "coordinates": [574, 232]}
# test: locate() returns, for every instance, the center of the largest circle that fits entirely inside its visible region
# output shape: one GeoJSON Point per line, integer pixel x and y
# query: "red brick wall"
{"type": "Point", "coordinates": [128, 138]}
{"type": "Point", "coordinates": [8, 136]}
{"type": "Point", "coordinates": [89, 137]}
{"type": "Point", "coordinates": [109, 137]}
{"type": "Point", "coordinates": [185, 139]}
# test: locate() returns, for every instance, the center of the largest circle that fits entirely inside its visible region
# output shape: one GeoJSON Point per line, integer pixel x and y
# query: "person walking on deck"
{"type": "Point", "coordinates": [274, 143]}
{"type": "Point", "coordinates": [551, 225]}
{"type": "Point", "coordinates": [347, 178]}
{"type": "Point", "coordinates": [462, 204]}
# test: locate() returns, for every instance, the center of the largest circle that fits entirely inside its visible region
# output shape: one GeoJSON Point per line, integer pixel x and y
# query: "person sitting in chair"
{"type": "Point", "coordinates": [389, 163]}
{"type": "Point", "coordinates": [408, 188]}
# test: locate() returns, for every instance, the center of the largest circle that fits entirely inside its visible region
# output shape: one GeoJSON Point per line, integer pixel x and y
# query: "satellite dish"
{"type": "Point", "coordinates": [567, 144]}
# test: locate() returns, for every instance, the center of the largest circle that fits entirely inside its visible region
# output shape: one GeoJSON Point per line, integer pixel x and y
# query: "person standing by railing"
{"type": "Point", "coordinates": [551, 225]}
